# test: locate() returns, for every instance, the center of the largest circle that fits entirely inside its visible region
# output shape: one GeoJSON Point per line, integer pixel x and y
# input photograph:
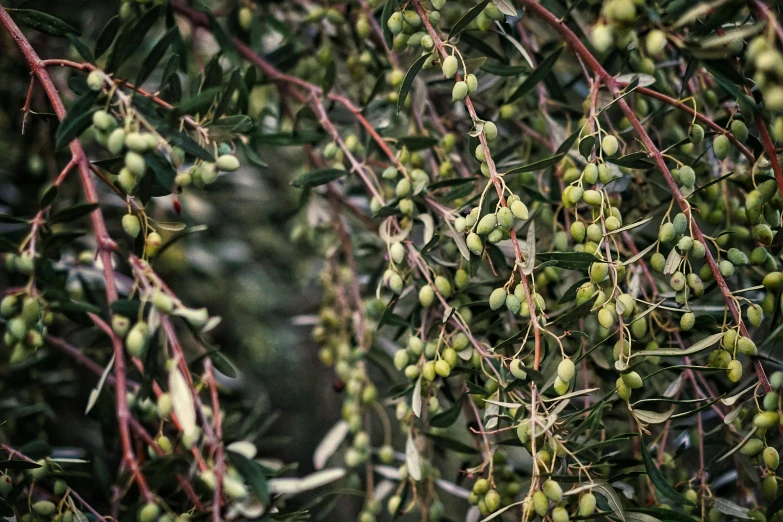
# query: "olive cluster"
{"type": "Point", "coordinates": [28, 318]}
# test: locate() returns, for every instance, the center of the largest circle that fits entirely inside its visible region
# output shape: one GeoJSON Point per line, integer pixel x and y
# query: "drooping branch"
{"type": "Point", "coordinates": [105, 244]}
{"type": "Point", "coordinates": [577, 46]}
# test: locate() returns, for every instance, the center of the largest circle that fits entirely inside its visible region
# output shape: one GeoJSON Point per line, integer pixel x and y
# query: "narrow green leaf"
{"type": "Point", "coordinates": [446, 442]}
{"type": "Point", "coordinates": [234, 84]}
{"type": "Point", "coordinates": [155, 56]}
{"type": "Point", "coordinates": [81, 48]}
{"type": "Point", "coordinates": [317, 178]}
{"type": "Point", "coordinates": [541, 72]}
{"type": "Point", "coordinates": [18, 464]}
{"type": "Point", "coordinates": [76, 120]}
{"type": "Point", "coordinates": [408, 81]}
{"type": "Point", "coordinates": [107, 37]}
{"type": "Point", "coordinates": [537, 165]}
{"type": "Point", "coordinates": [290, 138]}
{"type": "Point", "coordinates": [42, 22]}
{"type": "Point", "coordinates": [705, 343]}
{"type": "Point", "coordinates": [199, 103]}
{"type": "Point", "coordinates": [449, 416]}
{"type": "Point", "coordinates": [501, 69]}
{"type": "Point", "coordinates": [414, 143]}
{"type": "Point", "coordinates": [131, 38]}
{"type": "Point", "coordinates": [254, 473]}
{"type": "Point", "coordinates": [468, 17]}
{"type": "Point", "coordinates": [659, 481]}
{"type": "Point", "coordinates": [73, 213]}
{"type": "Point", "coordinates": [570, 260]}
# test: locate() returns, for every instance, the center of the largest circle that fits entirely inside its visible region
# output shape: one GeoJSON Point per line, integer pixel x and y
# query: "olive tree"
{"type": "Point", "coordinates": [546, 236]}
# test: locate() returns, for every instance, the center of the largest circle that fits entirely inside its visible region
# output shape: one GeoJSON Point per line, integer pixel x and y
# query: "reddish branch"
{"type": "Point", "coordinates": [104, 241]}
{"type": "Point", "coordinates": [573, 41]}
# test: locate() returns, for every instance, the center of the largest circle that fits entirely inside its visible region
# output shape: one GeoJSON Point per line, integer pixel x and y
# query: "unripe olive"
{"type": "Point", "coordinates": [746, 346]}
{"type": "Point", "coordinates": [696, 136]}
{"type": "Point", "coordinates": [393, 504]}
{"type": "Point", "coordinates": [737, 257]}
{"type": "Point", "coordinates": [766, 419]}
{"type": "Point", "coordinates": [474, 244]}
{"type": "Point", "coordinates": [443, 286]}
{"type": "Point", "coordinates": [517, 369]}
{"type": "Point", "coordinates": [578, 231]}
{"type": "Point", "coordinates": [395, 23]}
{"type": "Point", "coordinates": [136, 142]}
{"type": "Point", "coordinates": [698, 250]}
{"type": "Point", "coordinates": [721, 146]}
{"type": "Point", "coordinates": [592, 197]}
{"type": "Point", "coordinates": [655, 42]}
{"type": "Point", "coordinates": [666, 232]}
{"type": "Point", "coordinates": [17, 327]}
{"type": "Point", "coordinates": [459, 91]}
{"type": "Point", "coordinates": [472, 82]}
{"type": "Point", "coordinates": [135, 163]}
{"type": "Point", "coordinates": [45, 508]}
{"type": "Point", "coordinates": [164, 405]}
{"type": "Point", "coordinates": [519, 210]}
{"type": "Point", "coordinates": [505, 218]}
{"type": "Point", "coordinates": [137, 338]}
{"type": "Point", "coordinates": [633, 380]}
{"type": "Point", "coordinates": [513, 303]}
{"type": "Point", "coordinates": [227, 163]}
{"type": "Point", "coordinates": [481, 486]}
{"type": "Point", "coordinates": [598, 272]}
{"type": "Point", "coordinates": [773, 280]}
{"type": "Point", "coordinates": [8, 305]}
{"type": "Point", "coordinates": [103, 120]}
{"type": "Point", "coordinates": [540, 503]}
{"type": "Point", "coordinates": [605, 317]}
{"type": "Point", "coordinates": [602, 38]}
{"type": "Point", "coordinates": [559, 514]}
{"type": "Point", "coordinates": [487, 224]}
{"type": "Point", "coordinates": [120, 324]}
{"type": "Point", "coordinates": [687, 175]}
{"type": "Point", "coordinates": [152, 243]}
{"type": "Point", "coordinates": [566, 370]}
{"type": "Point", "coordinates": [734, 370]}
{"type": "Point", "coordinates": [95, 80]}
{"type": "Point", "coordinates": [60, 487]}
{"type": "Point", "coordinates": [426, 296]}
{"type": "Point", "coordinates": [609, 145]}
{"type": "Point", "coordinates": [726, 268]}
{"type": "Point", "coordinates": [442, 368]}
{"type": "Point", "coordinates": [752, 448]}
{"type": "Point", "coordinates": [552, 490]}
{"type": "Point", "coordinates": [729, 340]}
{"type": "Point", "coordinates": [587, 505]}
{"type": "Point", "coordinates": [763, 234]}
{"type": "Point", "coordinates": [739, 130]}
{"type": "Point", "coordinates": [771, 458]}
{"type": "Point", "coordinates": [127, 180]}
{"type": "Point", "coordinates": [755, 314]}
{"type": "Point", "coordinates": [149, 512]}
{"type": "Point", "coordinates": [116, 141]}
{"type": "Point", "coordinates": [687, 321]}
{"type": "Point", "coordinates": [769, 488]}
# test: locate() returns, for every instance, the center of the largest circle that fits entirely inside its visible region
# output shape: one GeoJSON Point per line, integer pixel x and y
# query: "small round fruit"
{"type": "Point", "coordinates": [721, 146]}
{"type": "Point", "coordinates": [459, 91]}
{"type": "Point", "coordinates": [95, 80]}
{"type": "Point", "coordinates": [227, 163]}
{"type": "Point", "coordinates": [609, 145]}
{"type": "Point", "coordinates": [566, 369]}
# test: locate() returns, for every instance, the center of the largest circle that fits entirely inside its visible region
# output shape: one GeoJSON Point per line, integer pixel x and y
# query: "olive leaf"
{"type": "Point", "coordinates": [42, 22]}
{"type": "Point", "coordinates": [659, 481]}
{"type": "Point", "coordinates": [540, 72]}
{"type": "Point", "coordinates": [329, 444]}
{"type": "Point", "coordinates": [468, 17]}
{"type": "Point", "coordinates": [412, 458]}
{"type": "Point", "coordinates": [407, 82]}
